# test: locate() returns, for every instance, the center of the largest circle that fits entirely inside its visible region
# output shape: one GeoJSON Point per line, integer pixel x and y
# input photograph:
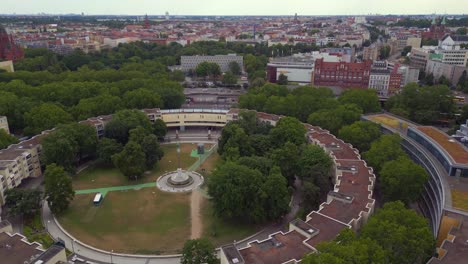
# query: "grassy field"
{"type": "Point", "coordinates": [388, 121]}
{"type": "Point", "coordinates": [142, 221]}
{"type": "Point", "coordinates": [99, 176]}
{"type": "Point", "coordinates": [221, 232]}
{"type": "Point", "coordinates": [460, 199]}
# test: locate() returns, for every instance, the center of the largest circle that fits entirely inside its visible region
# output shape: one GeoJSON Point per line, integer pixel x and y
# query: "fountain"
{"type": "Point", "coordinates": [180, 180]}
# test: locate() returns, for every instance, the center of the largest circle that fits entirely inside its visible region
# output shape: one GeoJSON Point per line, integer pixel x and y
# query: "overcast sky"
{"type": "Point", "coordinates": [234, 7]}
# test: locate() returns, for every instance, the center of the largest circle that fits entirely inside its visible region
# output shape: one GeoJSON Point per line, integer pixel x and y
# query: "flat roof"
{"type": "Point", "coordinates": [15, 251]}
{"type": "Point", "coordinates": [456, 151]}
{"type": "Point", "coordinates": [339, 149]}
{"type": "Point", "coordinates": [278, 249]}
{"type": "Point", "coordinates": [328, 227]}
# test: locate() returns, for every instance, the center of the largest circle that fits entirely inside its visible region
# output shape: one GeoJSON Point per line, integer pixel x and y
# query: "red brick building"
{"type": "Point", "coordinates": [342, 74]}
{"type": "Point", "coordinates": [9, 50]}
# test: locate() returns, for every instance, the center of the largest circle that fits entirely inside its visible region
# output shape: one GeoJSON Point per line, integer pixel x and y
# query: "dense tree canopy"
{"type": "Point", "coordinates": [360, 134]}
{"type": "Point", "coordinates": [43, 117]}
{"type": "Point", "coordinates": [58, 188]}
{"type": "Point", "coordinates": [404, 235]}
{"type": "Point", "coordinates": [366, 99]}
{"type": "Point", "coordinates": [197, 251]}
{"type": "Point", "coordinates": [123, 121]}
{"type": "Point", "coordinates": [23, 201]}
{"type": "Point", "coordinates": [424, 105]}
{"type": "Point", "coordinates": [6, 139]}
{"type": "Point", "coordinates": [131, 161]}
{"type": "Point", "coordinates": [402, 179]}
{"type": "Point", "coordinates": [386, 148]}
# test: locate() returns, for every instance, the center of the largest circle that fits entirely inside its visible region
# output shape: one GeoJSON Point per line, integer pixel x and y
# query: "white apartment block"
{"type": "Point", "coordinates": [191, 62]}
{"type": "Point", "coordinates": [379, 80]}
{"type": "Point", "coordinates": [4, 124]}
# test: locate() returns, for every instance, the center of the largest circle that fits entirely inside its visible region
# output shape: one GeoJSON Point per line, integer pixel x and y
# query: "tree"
{"type": "Point", "coordinates": [235, 68]}
{"type": "Point", "coordinates": [43, 117]}
{"type": "Point", "coordinates": [61, 149]}
{"type": "Point", "coordinates": [198, 251]}
{"type": "Point", "coordinates": [152, 150]}
{"type": "Point", "coordinates": [461, 31]}
{"type": "Point", "coordinates": [384, 52]}
{"type": "Point", "coordinates": [159, 129]}
{"type": "Point", "coordinates": [58, 188]}
{"type": "Point", "coordinates": [282, 79]}
{"type": "Point", "coordinates": [275, 195]}
{"type": "Point", "coordinates": [287, 158]}
{"type": "Point", "coordinates": [406, 50]}
{"type": "Point", "coordinates": [367, 100]}
{"type": "Point", "coordinates": [402, 179]}
{"type": "Point", "coordinates": [288, 129]}
{"type": "Point", "coordinates": [142, 98]}
{"type": "Point", "coordinates": [124, 121]}
{"type": "Point", "coordinates": [232, 142]}
{"type": "Point", "coordinates": [334, 119]}
{"type": "Point", "coordinates": [404, 235]}
{"type": "Point", "coordinates": [235, 191]}
{"type": "Point", "coordinates": [23, 201]}
{"type": "Point", "coordinates": [315, 165]}
{"type": "Point", "coordinates": [360, 134]}
{"type": "Point", "coordinates": [107, 148]}
{"type": "Point", "coordinates": [131, 161]}
{"type": "Point", "coordinates": [229, 78]}
{"type": "Point", "coordinates": [208, 69]}
{"type": "Point", "coordinates": [347, 248]}
{"type": "Point", "coordinates": [386, 148]}
{"type": "Point", "coordinates": [6, 139]}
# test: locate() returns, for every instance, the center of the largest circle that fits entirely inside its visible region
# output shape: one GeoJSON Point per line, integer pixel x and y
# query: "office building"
{"type": "Point", "coordinates": [191, 62]}
{"type": "Point", "coordinates": [342, 74]}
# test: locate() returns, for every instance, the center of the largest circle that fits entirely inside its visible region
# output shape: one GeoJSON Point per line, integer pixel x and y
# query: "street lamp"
{"type": "Point", "coordinates": [73, 245]}
{"type": "Point", "coordinates": [112, 251]}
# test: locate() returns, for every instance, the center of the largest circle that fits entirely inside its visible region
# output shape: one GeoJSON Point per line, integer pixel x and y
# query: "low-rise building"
{"type": "Point", "coordinates": [16, 249]}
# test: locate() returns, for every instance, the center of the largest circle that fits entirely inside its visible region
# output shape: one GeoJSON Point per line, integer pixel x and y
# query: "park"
{"type": "Point", "coordinates": [136, 217]}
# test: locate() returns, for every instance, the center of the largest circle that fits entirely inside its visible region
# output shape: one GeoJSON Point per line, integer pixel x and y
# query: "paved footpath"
{"type": "Point", "coordinates": [100, 256]}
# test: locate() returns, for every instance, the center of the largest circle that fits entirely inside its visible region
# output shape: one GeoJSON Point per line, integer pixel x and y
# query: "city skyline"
{"type": "Point", "coordinates": [230, 8]}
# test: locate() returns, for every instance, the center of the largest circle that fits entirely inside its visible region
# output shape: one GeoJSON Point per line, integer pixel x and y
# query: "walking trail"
{"type": "Point", "coordinates": [196, 221]}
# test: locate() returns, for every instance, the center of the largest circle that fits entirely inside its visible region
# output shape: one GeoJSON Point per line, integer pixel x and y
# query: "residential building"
{"type": "Point", "coordinates": [419, 57]}
{"type": "Point", "coordinates": [439, 69]}
{"type": "Point", "coordinates": [18, 162]}
{"type": "Point", "coordinates": [408, 74]}
{"type": "Point", "coordinates": [342, 74]}
{"type": "Point", "coordinates": [385, 78]}
{"type": "Point", "coordinates": [16, 249]}
{"type": "Point", "coordinates": [191, 62]}
{"type": "Point", "coordinates": [371, 52]}
{"type": "Point", "coordinates": [4, 124]}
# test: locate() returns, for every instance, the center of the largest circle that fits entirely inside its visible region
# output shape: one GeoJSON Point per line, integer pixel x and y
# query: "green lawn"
{"type": "Point", "coordinates": [99, 176]}
{"type": "Point", "coordinates": [220, 231]}
{"type": "Point", "coordinates": [136, 221]}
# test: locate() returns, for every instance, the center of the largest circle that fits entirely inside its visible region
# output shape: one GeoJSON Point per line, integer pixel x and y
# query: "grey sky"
{"type": "Point", "coordinates": [235, 7]}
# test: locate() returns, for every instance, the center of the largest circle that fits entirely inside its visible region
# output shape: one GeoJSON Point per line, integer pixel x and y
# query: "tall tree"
{"type": "Point", "coordinates": [288, 129]}
{"type": "Point", "coordinates": [367, 100]}
{"type": "Point", "coordinates": [198, 251]}
{"type": "Point", "coordinates": [275, 195]}
{"type": "Point", "coordinates": [23, 201]}
{"type": "Point", "coordinates": [60, 148]}
{"type": "Point", "coordinates": [131, 161]}
{"type": "Point", "coordinates": [315, 165]}
{"type": "Point", "coordinates": [360, 134]}
{"type": "Point", "coordinates": [124, 121]}
{"type": "Point", "coordinates": [58, 188]}
{"type": "Point", "coordinates": [386, 148]}
{"type": "Point", "coordinates": [159, 129]}
{"type": "Point", "coordinates": [142, 98]}
{"type": "Point", "coordinates": [45, 116]}
{"type": "Point", "coordinates": [235, 190]}
{"type": "Point", "coordinates": [402, 179]}
{"type": "Point", "coordinates": [6, 139]}
{"type": "Point", "coordinates": [282, 79]}
{"type": "Point", "coordinates": [404, 235]}
{"type": "Point", "coordinates": [107, 148]}
{"type": "Point", "coordinates": [235, 68]}
{"type": "Point", "coordinates": [152, 150]}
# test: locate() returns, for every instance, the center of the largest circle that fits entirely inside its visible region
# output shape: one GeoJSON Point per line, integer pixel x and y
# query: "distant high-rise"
{"type": "Point", "coordinates": [147, 24]}
{"type": "Point", "coordinates": [167, 15]}
{"type": "Point", "coordinates": [295, 17]}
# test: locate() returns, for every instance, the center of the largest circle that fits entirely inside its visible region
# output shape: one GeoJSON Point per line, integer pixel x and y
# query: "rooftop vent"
{"type": "Point", "coordinates": [235, 260]}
